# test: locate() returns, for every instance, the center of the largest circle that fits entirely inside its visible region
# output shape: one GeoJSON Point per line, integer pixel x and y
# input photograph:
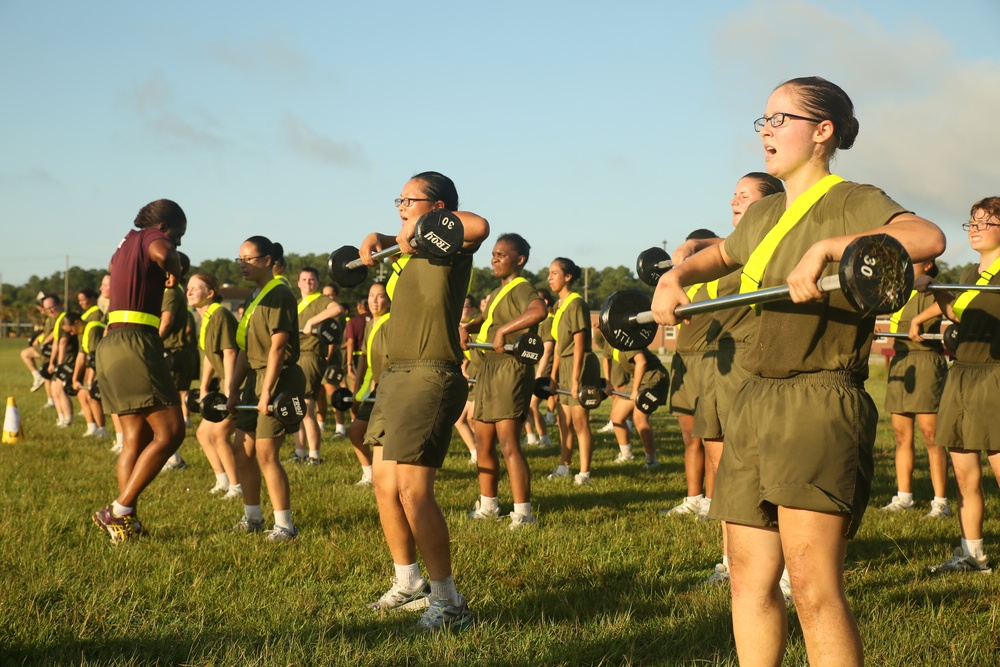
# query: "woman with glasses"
{"type": "Point", "coordinates": [267, 365]}
{"type": "Point", "coordinates": [420, 395]}
{"type": "Point", "coordinates": [135, 382]}
{"type": "Point", "coordinates": [967, 419]}
{"type": "Point", "coordinates": [793, 491]}
{"type": "Point", "coordinates": [574, 367]}
{"type": "Point", "coordinates": [917, 375]}
{"type": "Point", "coordinates": [503, 383]}
{"type": "Point", "coordinates": [373, 360]}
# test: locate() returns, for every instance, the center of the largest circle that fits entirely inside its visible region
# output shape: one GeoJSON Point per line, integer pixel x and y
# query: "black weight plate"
{"type": "Point", "coordinates": [439, 233]}
{"type": "Point", "coordinates": [614, 323]}
{"type": "Point", "coordinates": [646, 265]}
{"type": "Point", "coordinates": [876, 274]}
{"type": "Point", "coordinates": [336, 266]}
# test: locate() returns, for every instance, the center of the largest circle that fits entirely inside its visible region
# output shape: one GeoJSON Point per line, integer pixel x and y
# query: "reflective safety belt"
{"type": "Point", "coordinates": [753, 270]}
{"type": "Point", "coordinates": [962, 302]}
{"type": "Point", "coordinates": [133, 317]}
{"type": "Point", "coordinates": [306, 300]}
{"type": "Point", "coordinates": [241, 330]}
{"type": "Point", "coordinates": [484, 330]}
{"type": "Point", "coordinates": [204, 324]}
{"type": "Point", "coordinates": [397, 268]}
{"type": "Point", "coordinates": [366, 384]}
{"type": "Point", "coordinates": [559, 313]}
{"type": "Point", "coordinates": [898, 315]}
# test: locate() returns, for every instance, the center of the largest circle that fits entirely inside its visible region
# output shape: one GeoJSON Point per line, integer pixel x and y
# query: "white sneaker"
{"type": "Point", "coordinates": [651, 465]}
{"type": "Point", "coordinates": [624, 458]}
{"type": "Point", "coordinates": [219, 488]}
{"type": "Point", "coordinates": [786, 590]}
{"type": "Point", "coordinates": [607, 428]}
{"type": "Point", "coordinates": [87, 434]}
{"type": "Point", "coordinates": [545, 442]}
{"type": "Point", "coordinates": [398, 598]}
{"type": "Point", "coordinates": [581, 478]}
{"type": "Point", "coordinates": [706, 505]}
{"type": "Point", "coordinates": [38, 383]}
{"type": "Point", "coordinates": [233, 492]}
{"type": "Point", "coordinates": [364, 481]}
{"type": "Point", "coordinates": [686, 507]}
{"type": "Point", "coordinates": [560, 471]}
{"type": "Point", "coordinates": [897, 505]}
{"type": "Point", "coordinates": [960, 562]}
{"type": "Point", "coordinates": [173, 464]}
{"type": "Point", "coordinates": [479, 513]}
{"type": "Point", "coordinates": [116, 448]}
{"type": "Point", "coordinates": [519, 521]}
{"type": "Point", "coordinates": [550, 418]}
{"type": "Point", "coordinates": [939, 511]}
{"type": "Point", "coordinates": [101, 432]}
{"type": "Point", "coordinates": [443, 616]}
{"type": "Point", "coordinates": [531, 441]}
{"type": "Point", "coordinates": [719, 577]}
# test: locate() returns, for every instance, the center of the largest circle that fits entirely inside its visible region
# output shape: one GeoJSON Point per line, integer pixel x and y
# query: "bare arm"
{"type": "Point", "coordinates": [703, 266]}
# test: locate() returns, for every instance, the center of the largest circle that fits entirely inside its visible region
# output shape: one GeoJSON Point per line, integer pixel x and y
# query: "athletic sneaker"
{"type": "Point", "coordinates": [939, 511]}
{"type": "Point", "coordinates": [121, 528]}
{"type": "Point", "coordinates": [172, 464]}
{"type": "Point", "coordinates": [87, 434]}
{"type": "Point", "coordinates": [313, 461]}
{"type": "Point", "coordinates": [786, 590]}
{"type": "Point", "coordinates": [281, 534]}
{"type": "Point", "coordinates": [719, 577]}
{"type": "Point", "coordinates": [706, 505]}
{"type": "Point", "coordinates": [519, 521]}
{"type": "Point", "coordinates": [233, 492]}
{"type": "Point", "coordinates": [544, 441]}
{"type": "Point", "coordinates": [38, 383]}
{"type": "Point", "coordinates": [651, 465]}
{"type": "Point", "coordinates": [245, 525]}
{"type": "Point", "coordinates": [296, 458]}
{"type": "Point", "coordinates": [607, 428]}
{"type": "Point", "coordinates": [897, 505]}
{"type": "Point", "coordinates": [550, 417]}
{"type": "Point", "coordinates": [581, 478]}
{"type": "Point", "coordinates": [364, 481]}
{"type": "Point", "coordinates": [219, 488]}
{"type": "Point", "coordinates": [116, 448]}
{"type": "Point", "coordinates": [101, 432]}
{"type": "Point", "coordinates": [339, 434]}
{"type": "Point", "coordinates": [624, 458]}
{"type": "Point", "coordinates": [962, 563]}
{"type": "Point", "coordinates": [531, 441]}
{"type": "Point", "coordinates": [560, 471]}
{"type": "Point", "coordinates": [484, 514]}
{"type": "Point", "coordinates": [686, 507]}
{"type": "Point", "coordinates": [398, 598]}
{"type": "Point", "coordinates": [443, 616]}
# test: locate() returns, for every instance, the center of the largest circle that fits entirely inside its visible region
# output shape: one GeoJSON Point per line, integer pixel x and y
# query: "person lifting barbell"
{"type": "Point", "coordinates": [527, 348]}
{"type": "Point", "coordinates": [287, 408]}
{"type": "Point", "coordinates": [875, 274]}
{"type": "Point", "coordinates": [438, 233]}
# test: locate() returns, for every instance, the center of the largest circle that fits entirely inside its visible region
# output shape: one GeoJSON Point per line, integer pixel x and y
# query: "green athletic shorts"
{"type": "Point", "coordinates": [265, 426]}
{"type": "Point", "coordinates": [186, 367]}
{"type": "Point", "coordinates": [417, 406]}
{"type": "Point", "coordinates": [685, 383]}
{"type": "Point", "coordinates": [916, 381]}
{"type": "Point", "coordinates": [968, 416]}
{"type": "Point", "coordinates": [313, 366]}
{"type": "Point", "coordinates": [721, 378]}
{"type": "Point", "coordinates": [503, 388]}
{"type": "Point", "coordinates": [804, 442]}
{"type": "Point", "coordinates": [589, 377]}
{"type": "Point", "coordinates": [132, 372]}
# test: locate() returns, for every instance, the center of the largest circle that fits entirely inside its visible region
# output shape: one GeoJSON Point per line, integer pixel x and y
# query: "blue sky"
{"type": "Point", "coordinates": [594, 129]}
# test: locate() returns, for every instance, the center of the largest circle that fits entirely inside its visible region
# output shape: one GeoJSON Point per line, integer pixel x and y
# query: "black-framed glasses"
{"type": "Point", "coordinates": [779, 119]}
{"type": "Point", "coordinates": [407, 202]}
{"type": "Point", "coordinates": [978, 226]}
{"type": "Point", "coordinates": [247, 260]}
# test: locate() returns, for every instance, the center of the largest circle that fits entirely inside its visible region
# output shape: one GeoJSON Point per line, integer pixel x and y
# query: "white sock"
{"type": "Point", "coordinates": [474, 456]}
{"type": "Point", "coordinates": [119, 438]}
{"type": "Point", "coordinates": [408, 576]}
{"type": "Point", "coordinates": [120, 510]}
{"type": "Point", "coordinates": [545, 440]}
{"type": "Point", "coordinates": [50, 402]}
{"type": "Point", "coordinates": [314, 454]}
{"type": "Point", "coordinates": [532, 439]}
{"type": "Point", "coordinates": [486, 503]}
{"type": "Point", "coordinates": [695, 500]}
{"type": "Point", "coordinates": [561, 469]}
{"type": "Point", "coordinates": [973, 548]}
{"type": "Point", "coordinates": [725, 561]}
{"type": "Point", "coordinates": [905, 498]}
{"type": "Point", "coordinates": [625, 449]}
{"type": "Point", "coordinates": [222, 479]}
{"type": "Point", "coordinates": [706, 505]}
{"type": "Point", "coordinates": [341, 429]}
{"type": "Point", "coordinates": [939, 501]}
{"type": "Point", "coordinates": [91, 428]}
{"type": "Point", "coordinates": [236, 488]}
{"type": "Point", "coordinates": [523, 509]}
{"type": "Point", "coordinates": [651, 458]}
{"type": "Point", "coordinates": [37, 375]}
{"type": "Point", "coordinates": [584, 475]}
{"type": "Point", "coordinates": [445, 590]}
{"type": "Point", "coordinates": [283, 518]}
{"type": "Point", "coordinates": [366, 472]}
{"type": "Point", "coordinates": [253, 513]}
{"type": "Point", "coordinates": [322, 424]}
{"type": "Point", "coordinates": [301, 452]}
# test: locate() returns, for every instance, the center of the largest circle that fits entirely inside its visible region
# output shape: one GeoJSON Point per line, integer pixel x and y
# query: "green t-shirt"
{"type": "Point", "coordinates": [576, 317]}
{"type": "Point", "coordinates": [275, 312]}
{"type": "Point", "coordinates": [220, 334]}
{"type": "Point", "coordinates": [511, 306]}
{"type": "Point", "coordinates": [918, 304]}
{"type": "Point", "coordinates": [311, 343]}
{"type": "Point", "coordinates": [175, 302]}
{"type": "Point", "coordinates": [426, 309]}
{"type": "Point", "coordinates": [979, 329]}
{"type": "Point", "coordinates": [693, 338]}
{"type": "Point", "coordinates": [730, 327]}
{"type": "Point", "coordinates": [827, 335]}
{"type": "Point", "coordinates": [379, 357]}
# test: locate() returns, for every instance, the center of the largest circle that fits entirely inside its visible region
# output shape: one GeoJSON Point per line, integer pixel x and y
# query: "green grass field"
{"type": "Point", "coordinates": [601, 579]}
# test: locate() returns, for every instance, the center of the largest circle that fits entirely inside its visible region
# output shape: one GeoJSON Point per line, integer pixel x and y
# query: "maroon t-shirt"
{"type": "Point", "coordinates": [136, 280]}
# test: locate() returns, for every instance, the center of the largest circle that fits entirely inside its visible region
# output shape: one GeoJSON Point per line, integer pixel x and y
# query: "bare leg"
{"type": "Point", "coordinates": [427, 524]}
{"type": "Point", "coordinates": [902, 429]}
{"type": "Point", "coordinates": [694, 456]}
{"type": "Point", "coordinates": [937, 456]}
{"type": "Point", "coordinates": [581, 424]}
{"type": "Point", "coordinates": [517, 467]}
{"type": "Point", "coordinates": [760, 620]}
{"type": "Point", "coordinates": [151, 437]}
{"type": "Point", "coordinates": [274, 473]}
{"type": "Point", "coordinates": [968, 477]}
{"type": "Point", "coordinates": [487, 461]}
{"type": "Point", "coordinates": [395, 527]}
{"type": "Point", "coordinates": [356, 434]}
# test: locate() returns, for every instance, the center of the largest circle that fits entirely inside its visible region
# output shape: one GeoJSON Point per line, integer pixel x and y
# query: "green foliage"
{"type": "Point", "coordinates": [601, 579]}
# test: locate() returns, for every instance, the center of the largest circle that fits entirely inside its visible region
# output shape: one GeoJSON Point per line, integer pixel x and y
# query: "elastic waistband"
{"type": "Point", "coordinates": [818, 378]}
{"type": "Point", "coordinates": [965, 365]}
{"type": "Point", "coordinates": [436, 364]}
{"type": "Point", "coordinates": [133, 317]}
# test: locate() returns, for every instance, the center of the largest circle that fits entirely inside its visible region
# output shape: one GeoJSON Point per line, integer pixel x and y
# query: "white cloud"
{"type": "Point", "coordinates": [270, 56]}
{"type": "Point", "coordinates": [310, 144]}
{"type": "Point", "coordinates": [155, 102]}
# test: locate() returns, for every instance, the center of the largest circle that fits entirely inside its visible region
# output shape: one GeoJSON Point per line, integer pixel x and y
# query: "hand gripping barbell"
{"type": "Point", "coordinates": [875, 274]}
{"type": "Point", "coordinates": [289, 409]}
{"type": "Point", "coordinates": [589, 397]}
{"type": "Point", "coordinates": [438, 233]}
{"type": "Point", "coordinates": [527, 348]}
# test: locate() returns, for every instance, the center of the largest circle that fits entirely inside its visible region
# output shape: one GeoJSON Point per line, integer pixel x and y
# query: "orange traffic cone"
{"type": "Point", "coordinates": [12, 432]}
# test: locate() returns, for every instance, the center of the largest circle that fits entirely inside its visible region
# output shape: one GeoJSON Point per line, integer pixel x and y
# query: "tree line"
{"type": "Point", "coordinates": [20, 303]}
